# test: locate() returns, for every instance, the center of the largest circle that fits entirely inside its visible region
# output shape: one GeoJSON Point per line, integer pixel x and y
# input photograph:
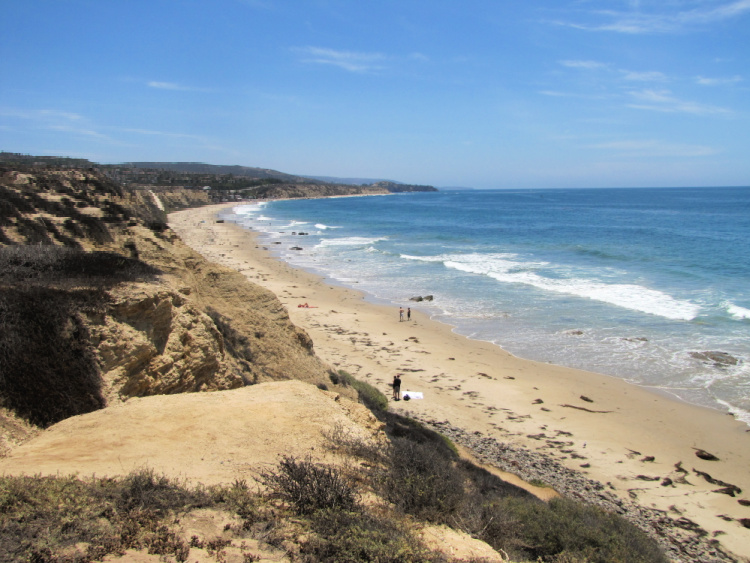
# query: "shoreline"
{"type": "Point", "coordinates": [596, 425]}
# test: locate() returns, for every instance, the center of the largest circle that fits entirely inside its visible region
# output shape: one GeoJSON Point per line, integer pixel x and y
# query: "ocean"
{"type": "Point", "coordinates": [649, 285]}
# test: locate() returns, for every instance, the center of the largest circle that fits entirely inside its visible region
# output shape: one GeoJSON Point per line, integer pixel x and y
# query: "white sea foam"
{"type": "Point", "coordinates": [738, 413]}
{"type": "Point", "coordinates": [322, 227]}
{"type": "Point", "coordinates": [291, 225]}
{"type": "Point", "coordinates": [736, 311]}
{"type": "Point", "coordinates": [248, 209]}
{"type": "Point", "coordinates": [507, 268]}
{"type": "Point", "coordinates": [348, 241]}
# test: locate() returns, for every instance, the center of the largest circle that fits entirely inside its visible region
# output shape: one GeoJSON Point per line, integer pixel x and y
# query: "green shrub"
{"type": "Point", "coordinates": [65, 519]}
{"type": "Point", "coordinates": [425, 478]}
{"type": "Point", "coordinates": [309, 487]}
{"type": "Point", "coordinates": [564, 530]}
{"type": "Point", "coordinates": [239, 499]}
{"type": "Point", "coordinates": [144, 490]}
{"type": "Point", "coordinates": [334, 377]}
{"type": "Point", "coordinates": [369, 395]}
{"type": "Point", "coordinates": [34, 232]}
{"type": "Point", "coordinates": [40, 516]}
{"type": "Point", "coordinates": [420, 480]}
{"type": "Point", "coordinates": [342, 440]}
{"type": "Point", "coordinates": [362, 536]}
{"type": "Point", "coordinates": [95, 229]}
{"type": "Point", "coordinates": [399, 426]}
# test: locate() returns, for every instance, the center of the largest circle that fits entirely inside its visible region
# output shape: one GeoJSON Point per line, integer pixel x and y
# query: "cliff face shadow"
{"type": "Point", "coordinates": [48, 371]}
{"type": "Point", "coordinates": [55, 266]}
{"type": "Point", "coordinates": [48, 367]}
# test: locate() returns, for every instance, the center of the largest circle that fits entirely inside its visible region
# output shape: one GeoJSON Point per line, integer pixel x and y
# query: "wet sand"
{"type": "Point", "coordinates": [640, 444]}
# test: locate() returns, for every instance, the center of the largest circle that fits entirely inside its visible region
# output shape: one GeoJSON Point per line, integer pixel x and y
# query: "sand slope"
{"type": "Point", "coordinates": [210, 438]}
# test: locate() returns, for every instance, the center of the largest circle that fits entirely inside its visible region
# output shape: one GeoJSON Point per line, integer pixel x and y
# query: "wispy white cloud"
{"type": "Point", "coordinates": [638, 21]}
{"type": "Point", "coordinates": [54, 120]}
{"type": "Point", "coordinates": [587, 65]}
{"type": "Point", "coordinates": [725, 11]}
{"type": "Point", "coordinates": [162, 134]}
{"type": "Point", "coordinates": [174, 86]}
{"type": "Point", "coordinates": [703, 81]}
{"type": "Point", "coordinates": [649, 76]}
{"type": "Point", "coordinates": [84, 132]}
{"type": "Point", "coordinates": [664, 101]}
{"type": "Point", "coordinates": [261, 4]}
{"type": "Point", "coordinates": [421, 57]}
{"type": "Point", "coordinates": [348, 60]}
{"type": "Point", "coordinates": [558, 94]}
{"type": "Point", "coordinates": [654, 148]}
{"type": "Point", "coordinates": [41, 114]}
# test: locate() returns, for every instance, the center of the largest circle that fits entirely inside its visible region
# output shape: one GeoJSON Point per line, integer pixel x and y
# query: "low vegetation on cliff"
{"type": "Point", "coordinates": [380, 505]}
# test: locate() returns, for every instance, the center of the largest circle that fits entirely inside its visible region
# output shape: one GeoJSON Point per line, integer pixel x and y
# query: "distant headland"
{"type": "Point", "coordinates": [221, 182]}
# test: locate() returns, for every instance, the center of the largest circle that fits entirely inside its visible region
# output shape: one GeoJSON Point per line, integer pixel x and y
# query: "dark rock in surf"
{"type": "Point", "coordinates": [718, 359]}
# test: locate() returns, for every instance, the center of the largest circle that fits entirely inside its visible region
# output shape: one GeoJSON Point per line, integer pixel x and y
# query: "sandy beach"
{"type": "Point", "coordinates": [641, 445]}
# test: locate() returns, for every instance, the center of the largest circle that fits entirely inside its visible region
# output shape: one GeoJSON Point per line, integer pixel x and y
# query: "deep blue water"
{"type": "Point", "coordinates": [627, 282]}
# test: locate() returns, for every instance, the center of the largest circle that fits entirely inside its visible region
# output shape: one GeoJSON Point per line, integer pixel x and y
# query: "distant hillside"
{"type": "Point", "coordinates": [240, 174]}
{"type": "Point", "coordinates": [396, 188]}
{"type": "Point", "coordinates": [219, 182]}
{"type": "Point", "coordinates": [26, 160]}
{"type": "Point", "coordinates": [295, 191]}
{"type": "Point", "coordinates": [355, 181]}
{"type": "Point", "coordinates": [203, 168]}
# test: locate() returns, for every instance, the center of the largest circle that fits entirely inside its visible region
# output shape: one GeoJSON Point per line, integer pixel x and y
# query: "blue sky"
{"type": "Point", "coordinates": [535, 93]}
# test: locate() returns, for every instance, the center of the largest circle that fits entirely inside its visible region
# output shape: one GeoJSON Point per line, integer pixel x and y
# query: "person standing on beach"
{"type": "Point", "coordinates": [400, 314]}
{"type": "Point", "coordinates": [397, 387]}
{"type": "Point", "coordinates": [408, 313]}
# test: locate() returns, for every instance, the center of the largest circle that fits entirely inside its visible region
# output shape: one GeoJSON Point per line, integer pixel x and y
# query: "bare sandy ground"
{"type": "Point", "coordinates": [210, 438]}
{"type": "Point", "coordinates": [622, 435]}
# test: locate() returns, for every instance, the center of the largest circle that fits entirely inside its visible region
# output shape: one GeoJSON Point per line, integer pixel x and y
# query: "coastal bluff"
{"type": "Point", "coordinates": [97, 289]}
